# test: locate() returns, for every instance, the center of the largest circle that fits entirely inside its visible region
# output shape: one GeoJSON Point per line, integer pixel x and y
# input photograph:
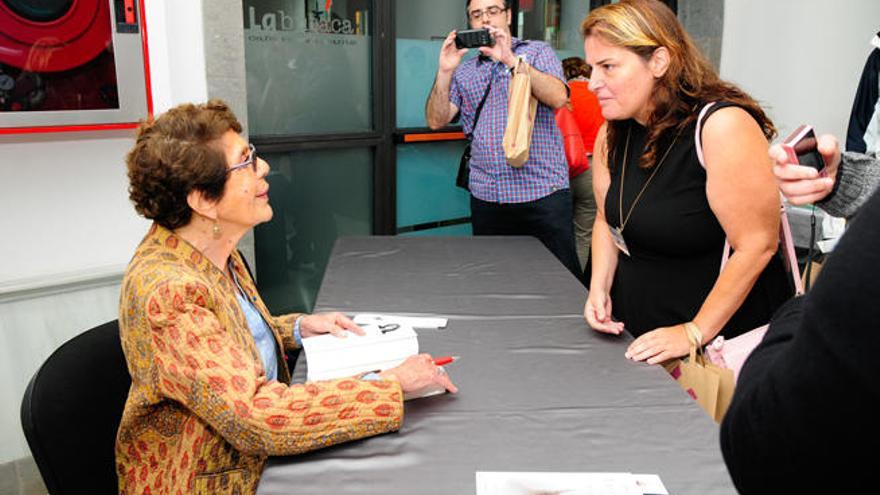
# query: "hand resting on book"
{"type": "Point", "coordinates": [333, 323]}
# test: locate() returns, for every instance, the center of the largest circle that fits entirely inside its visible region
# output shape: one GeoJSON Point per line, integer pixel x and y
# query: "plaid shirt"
{"type": "Point", "coordinates": [491, 178]}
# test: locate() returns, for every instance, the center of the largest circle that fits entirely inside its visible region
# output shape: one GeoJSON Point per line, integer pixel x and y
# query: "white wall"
{"type": "Point", "coordinates": [801, 59]}
{"type": "Point", "coordinates": [66, 216]}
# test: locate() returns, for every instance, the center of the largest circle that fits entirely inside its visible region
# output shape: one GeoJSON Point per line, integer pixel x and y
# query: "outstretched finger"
{"type": "Point", "coordinates": [808, 186]}
{"type": "Point", "coordinates": [612, 327]}
{"type": "Point", "coordinates": [807, 198]}
{"type": "Point", "coordinates": [645, 353]}
{"type": "Point", "coordinates": [348, 324]}
{"type": "Point", "coordinates": [794, 172]}
{"type": "Point", "coordinates": [443, 379]}
{"type": "Point", "coordinates": [660, 358]}
{"type": "Point", "coordinates": [338, 331]}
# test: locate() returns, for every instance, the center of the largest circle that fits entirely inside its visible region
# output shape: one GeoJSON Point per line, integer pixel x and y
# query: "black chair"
{"type": "Point", "coordinates": [72, 409]}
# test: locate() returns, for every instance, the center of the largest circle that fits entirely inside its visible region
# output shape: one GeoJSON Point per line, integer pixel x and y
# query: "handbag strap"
{"type": "Point", "coordinates": [784, 227]}
{"type": "Point", "coordinates": [480, 106]}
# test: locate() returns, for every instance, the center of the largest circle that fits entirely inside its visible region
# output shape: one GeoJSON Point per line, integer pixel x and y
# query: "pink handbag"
{"type": "Point", "coordinates": [732, 353]}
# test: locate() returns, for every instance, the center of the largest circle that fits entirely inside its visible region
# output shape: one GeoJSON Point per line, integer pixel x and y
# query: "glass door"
{"type": "Point", "coordinates": [314, 113]}
{"type": "Point", "coordinates": [428, 203]}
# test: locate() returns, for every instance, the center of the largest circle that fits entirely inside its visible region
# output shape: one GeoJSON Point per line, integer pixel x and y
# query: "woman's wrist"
{"type": "Point", "coordinates": [297, 330]}
{"type": "Point", "coordinates": [389, 375]}
{"type": "Point", "coordinates": [694, 332]}
{"type": "Point", "coordinates": [597, 284]}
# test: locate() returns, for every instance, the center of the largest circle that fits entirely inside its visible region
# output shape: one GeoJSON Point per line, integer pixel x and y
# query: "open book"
{"type": "Point", "coordinates": [387, 342]}
{"type": "Point", "coordinates": [384, 346]}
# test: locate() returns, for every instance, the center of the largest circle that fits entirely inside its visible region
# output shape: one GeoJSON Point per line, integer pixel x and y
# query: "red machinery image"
{"type": "Point", "coordinates": [62, 57]}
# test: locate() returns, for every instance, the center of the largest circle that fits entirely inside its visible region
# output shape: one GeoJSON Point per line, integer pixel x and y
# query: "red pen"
{"type": "Point", "coordinates": [442, 360]}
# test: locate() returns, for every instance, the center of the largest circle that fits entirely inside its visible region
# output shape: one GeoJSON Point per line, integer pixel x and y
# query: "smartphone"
{"type": "Point", "coordinates": [801, 147]}
{"type": "Point", "coordinates": [473, 38]}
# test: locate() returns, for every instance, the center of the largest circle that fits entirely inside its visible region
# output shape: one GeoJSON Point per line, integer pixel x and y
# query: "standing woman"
{"type": "Point", "coordinates": [662, 218]}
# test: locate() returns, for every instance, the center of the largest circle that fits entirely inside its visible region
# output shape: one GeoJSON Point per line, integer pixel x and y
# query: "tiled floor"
{"type": "Point", "coordinates": [21, 477]}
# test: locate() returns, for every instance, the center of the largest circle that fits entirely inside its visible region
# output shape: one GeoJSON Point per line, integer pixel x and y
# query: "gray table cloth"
{"type": "Point", "coordinates": [539, 390]}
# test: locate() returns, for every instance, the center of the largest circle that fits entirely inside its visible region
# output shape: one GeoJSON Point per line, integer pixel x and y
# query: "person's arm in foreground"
{"type": "Point", "coordinates": [848, 181]}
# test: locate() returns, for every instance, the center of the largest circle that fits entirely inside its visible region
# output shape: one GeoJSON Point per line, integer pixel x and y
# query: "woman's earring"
{"type": "Point", "coordinates": [216, 230]}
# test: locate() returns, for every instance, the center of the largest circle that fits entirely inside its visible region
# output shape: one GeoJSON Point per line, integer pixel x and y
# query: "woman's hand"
{"type": "Point", "coordinates": [597, 312]}
{"type": "Point", "coordinates": [660, 345]}
{"type": "Point", "coordinates": [417, 373]}
{"type": "Point", "coordinates": [803, 185]}
{"type": "Point", "coordinates": [336, 323]}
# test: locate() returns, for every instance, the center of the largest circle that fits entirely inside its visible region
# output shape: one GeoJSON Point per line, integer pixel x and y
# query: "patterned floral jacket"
{"type": "Point", "coordinates": [201, 416]}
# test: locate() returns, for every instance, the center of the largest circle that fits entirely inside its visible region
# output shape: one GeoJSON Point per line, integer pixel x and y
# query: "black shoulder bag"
{"type": "Point", "coordinates": [464, 167]}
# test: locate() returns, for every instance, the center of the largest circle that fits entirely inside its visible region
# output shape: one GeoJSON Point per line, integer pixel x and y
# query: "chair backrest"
{"type": "Point", "coordinates": [72, 409]}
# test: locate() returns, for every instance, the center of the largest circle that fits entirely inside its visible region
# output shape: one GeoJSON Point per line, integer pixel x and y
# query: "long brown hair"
{"type": "Point", "coordinates": [690, 81]}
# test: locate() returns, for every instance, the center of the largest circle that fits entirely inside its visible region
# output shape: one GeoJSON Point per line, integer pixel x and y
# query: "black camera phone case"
{"type": "Point", "coordinates": [473, 38]}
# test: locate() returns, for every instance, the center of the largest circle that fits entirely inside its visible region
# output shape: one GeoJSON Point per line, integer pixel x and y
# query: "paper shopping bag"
{"type": "Point", "coordinates": [711, 386]}
{"type": "Point", "coordinates": [814, 269]}
{"type": "Point", "coordinates": [521, 110]}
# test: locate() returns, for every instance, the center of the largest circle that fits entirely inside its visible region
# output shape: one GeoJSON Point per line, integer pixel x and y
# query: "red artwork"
{"type": "Point", "coordinates": [56, 55]}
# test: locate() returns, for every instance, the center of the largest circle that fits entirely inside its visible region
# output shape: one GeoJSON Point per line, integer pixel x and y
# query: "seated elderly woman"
{"type": "Point", "coordinates": [210, 398]}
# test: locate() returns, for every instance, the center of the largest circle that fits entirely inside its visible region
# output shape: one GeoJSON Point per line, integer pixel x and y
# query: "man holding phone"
{"type": "Point", "coordinates": [533, 200]}
{"type": "Point", "coordinates": [847, 181]}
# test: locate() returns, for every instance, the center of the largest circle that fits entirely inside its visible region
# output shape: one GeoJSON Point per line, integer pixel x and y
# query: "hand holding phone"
{"type": "Point", "coordinates": [473, 38]}
{"type": "Point", "coordinates": [802, 148]}
{"type": "Point", "coordinates": [793, 160]}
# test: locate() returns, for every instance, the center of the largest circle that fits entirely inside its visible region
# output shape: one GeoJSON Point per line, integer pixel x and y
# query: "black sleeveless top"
{"type": "Point", "coordinates": [675, 242]}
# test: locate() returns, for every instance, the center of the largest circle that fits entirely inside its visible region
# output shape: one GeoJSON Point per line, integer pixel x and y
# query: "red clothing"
{"type": "Point", "coordinates": [587, 112]}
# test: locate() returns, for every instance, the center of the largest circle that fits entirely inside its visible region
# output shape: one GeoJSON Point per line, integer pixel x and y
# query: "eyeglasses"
{"type": "Point", "coordinates": [494, 11]}
{"type": "Point", "coordinates": [250, 160]}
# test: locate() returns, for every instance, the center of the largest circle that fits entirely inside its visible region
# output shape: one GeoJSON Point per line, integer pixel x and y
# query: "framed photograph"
{"type": "Point", "coordinates": [72, 65]}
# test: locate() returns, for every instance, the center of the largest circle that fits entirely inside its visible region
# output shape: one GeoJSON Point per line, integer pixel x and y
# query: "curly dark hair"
{"type": "Point", "coordinates": [689, 83]}
{"type": "Point", "coordinates": [574, 67]}
{"type": "Point", "coordinates": [175, 154]}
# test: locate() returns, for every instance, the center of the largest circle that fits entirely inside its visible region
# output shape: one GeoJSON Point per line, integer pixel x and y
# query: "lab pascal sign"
{"type": "Point", "coordinates": [305, 20]}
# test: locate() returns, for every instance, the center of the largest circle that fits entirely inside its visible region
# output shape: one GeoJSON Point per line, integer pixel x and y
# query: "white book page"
{"type": "Point", "coordinates": [537, 483]}
{"type": "Point", "coordinates": [381, 347]}
{"type": "Point", "coordinates": [410, 321]}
